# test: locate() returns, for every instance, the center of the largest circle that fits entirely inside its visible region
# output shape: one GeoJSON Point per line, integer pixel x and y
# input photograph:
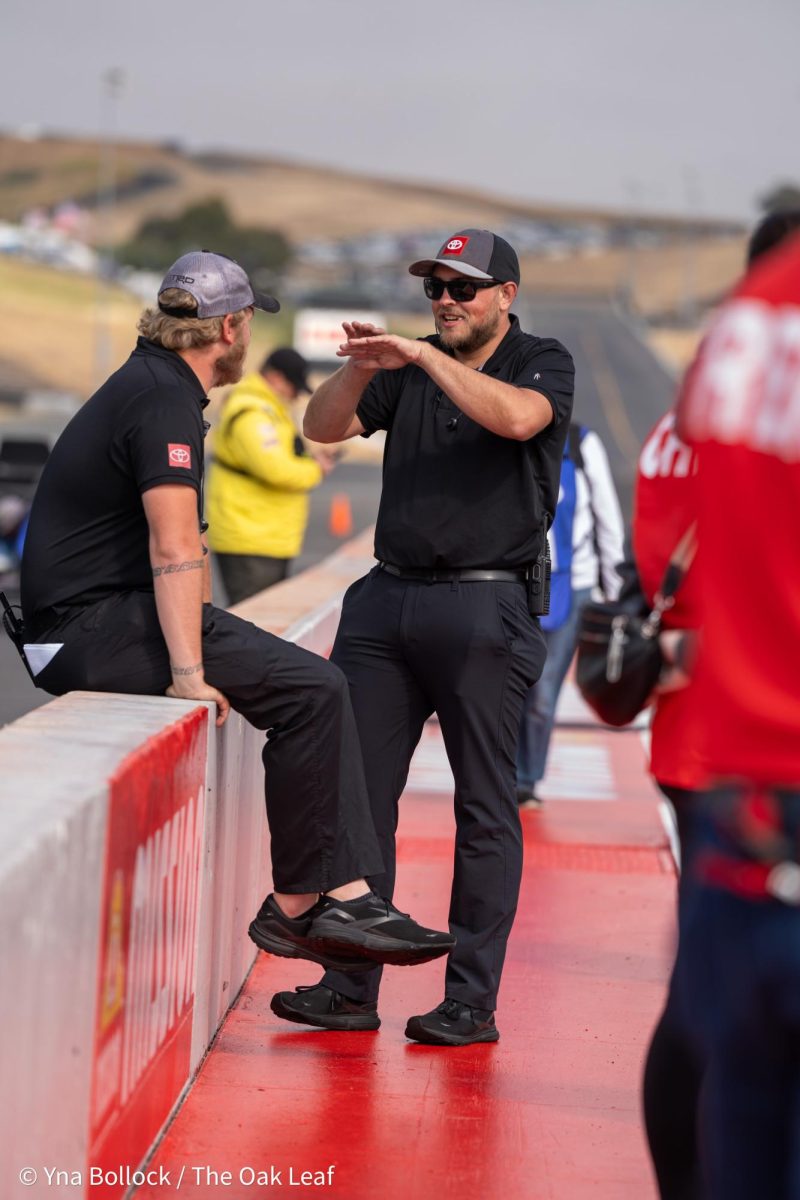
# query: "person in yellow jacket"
{"type": "Point", "coordinates": [260, 477]}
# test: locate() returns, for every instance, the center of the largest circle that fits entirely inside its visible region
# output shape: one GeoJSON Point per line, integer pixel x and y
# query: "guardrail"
{"type": "Point", "coordinates": [133, 854]}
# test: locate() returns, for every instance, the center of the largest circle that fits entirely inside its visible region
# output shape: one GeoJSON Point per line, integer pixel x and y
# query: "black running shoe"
{"type": "Point", "coordinates": [288, 937]}
{"type": "Point", "coordinates": [321, 1006]}
{"type": "Point", "coordinates": [374, 929]}
{"type": "Point", "coordinates": [527, 798]}
{"type": "Point", "coordinates": [453, 1024]}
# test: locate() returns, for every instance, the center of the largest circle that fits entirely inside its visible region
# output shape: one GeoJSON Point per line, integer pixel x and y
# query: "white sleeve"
{"type": "Point", "coordinates": [608, 523]}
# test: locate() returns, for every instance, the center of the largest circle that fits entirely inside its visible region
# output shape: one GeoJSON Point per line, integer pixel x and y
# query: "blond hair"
{"type": "Point", "coordinates": [182, 333]}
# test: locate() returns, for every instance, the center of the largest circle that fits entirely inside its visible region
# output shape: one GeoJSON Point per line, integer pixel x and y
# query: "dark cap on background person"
{"type": "Point", "coordinates": [290, 364]}
{"type": "Point", "coordinates": [216, 283]}
{"type": "Point", "coordinates": [478, 253]}
{"type": "Point", "coordinates": [771, 231]}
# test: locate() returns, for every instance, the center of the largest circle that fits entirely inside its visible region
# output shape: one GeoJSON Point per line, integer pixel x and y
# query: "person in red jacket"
{"type": "Point", "coordinates": [666, 505]}
{"type": "Point", "coordinates": [667, 498]}
{"type": "Point", "coordinates": [737, 975]}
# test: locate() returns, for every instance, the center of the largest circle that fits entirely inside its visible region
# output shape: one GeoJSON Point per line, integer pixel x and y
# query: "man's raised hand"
{"type": "Point", "coordinates": [376, 350]}
{"type": "Point", "coordinates": [361, 329]}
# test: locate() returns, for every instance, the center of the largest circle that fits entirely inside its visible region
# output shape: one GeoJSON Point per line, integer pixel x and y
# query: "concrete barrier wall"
{"type": "Point", "coordinates": [133, 854]}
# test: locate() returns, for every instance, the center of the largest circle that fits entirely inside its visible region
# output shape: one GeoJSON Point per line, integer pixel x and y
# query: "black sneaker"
{"type": "Point", "coordinates": [288, 937]}
{"type": "Point", "coordinates": [320, 1005]}
{"type": "Point", "coordinates": [374, 929]}
{"type": "Point", "coordinates": [527, 798]}
{"type": "Point", "coordinates": [453, 1024]}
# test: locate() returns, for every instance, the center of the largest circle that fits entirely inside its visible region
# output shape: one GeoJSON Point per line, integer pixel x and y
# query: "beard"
{"type": "Point", "coordinates": [228, 368]}
{"type": "Point", "coordinates": [469, 338]}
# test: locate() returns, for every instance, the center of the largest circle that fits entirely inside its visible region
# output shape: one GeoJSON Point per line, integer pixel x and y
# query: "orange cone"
{"type": "Point", "coordinates": [340, 521]}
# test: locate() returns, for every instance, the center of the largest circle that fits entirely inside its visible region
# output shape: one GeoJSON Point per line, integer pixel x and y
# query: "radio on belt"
{"type": "Point", "coordinates": [537, 579]}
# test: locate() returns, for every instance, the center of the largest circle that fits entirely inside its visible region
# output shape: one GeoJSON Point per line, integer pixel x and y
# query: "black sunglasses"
{"type": "Point", "coordinates": [460, 290]}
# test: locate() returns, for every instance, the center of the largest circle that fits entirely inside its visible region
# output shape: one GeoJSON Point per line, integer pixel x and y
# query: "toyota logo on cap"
{"type": "Point", "coordinates": [456, 245]}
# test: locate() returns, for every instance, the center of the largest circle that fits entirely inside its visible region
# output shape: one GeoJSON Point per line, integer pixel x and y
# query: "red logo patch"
{"type": "Point", "coordinates": [456, 245]}
{"type": "Point", "coordinates": [180, 456]}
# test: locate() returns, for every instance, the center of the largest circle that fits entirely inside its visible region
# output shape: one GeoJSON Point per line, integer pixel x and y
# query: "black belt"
{"type": "Point", "coordinates": [465, 575]}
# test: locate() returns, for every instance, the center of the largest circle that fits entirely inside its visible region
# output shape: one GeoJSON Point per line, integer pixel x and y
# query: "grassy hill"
{"type": "Point", "coordinates": [50, 322]}
{"type": "Point", "coordinates": [302, 200]}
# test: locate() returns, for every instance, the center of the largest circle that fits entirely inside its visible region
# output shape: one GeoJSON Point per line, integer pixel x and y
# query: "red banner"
{"type": "Point", "coordinates": [146, 970]}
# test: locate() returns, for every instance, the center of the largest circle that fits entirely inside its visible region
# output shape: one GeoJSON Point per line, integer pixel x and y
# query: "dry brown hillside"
{"type": "Point", "coordinates": [303, 201]}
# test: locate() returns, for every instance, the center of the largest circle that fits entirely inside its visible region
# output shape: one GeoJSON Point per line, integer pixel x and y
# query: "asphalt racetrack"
{"type": "Point", "coordinates": [621, 389]}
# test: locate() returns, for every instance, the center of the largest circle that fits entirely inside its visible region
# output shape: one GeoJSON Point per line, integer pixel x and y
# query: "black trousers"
{"type": "Point", "coordinates": [469, 652]}
{"type": "Point", "coordinates": [246, 574]}
{"type": "Point", "coordinates": [673, 1072]}
{"type": "Point", "coordinates": [321, 830]}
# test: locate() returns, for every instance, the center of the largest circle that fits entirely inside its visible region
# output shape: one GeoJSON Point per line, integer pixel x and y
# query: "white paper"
{"type": "Point", "coordinates": [39, 654]}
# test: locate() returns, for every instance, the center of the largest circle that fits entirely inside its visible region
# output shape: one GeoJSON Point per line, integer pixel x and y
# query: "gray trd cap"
{"type": "Point", "coordinates": [217, 283]}
{"type": "Point", "coordinates": [478, 253]}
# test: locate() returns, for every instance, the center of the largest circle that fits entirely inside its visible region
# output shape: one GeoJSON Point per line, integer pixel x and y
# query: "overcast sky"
{"type": "Point", "coordinates": [676, 104]}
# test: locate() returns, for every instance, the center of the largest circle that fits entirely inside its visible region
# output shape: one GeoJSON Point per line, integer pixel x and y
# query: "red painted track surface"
{"type": "Point", "coordinates": [551, 1111]}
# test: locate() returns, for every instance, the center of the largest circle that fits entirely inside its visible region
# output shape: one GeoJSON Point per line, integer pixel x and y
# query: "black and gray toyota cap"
{"type": "Point", "coordinates": [478, 253]}
{"type": "Point", "coordinates": [217, 283]}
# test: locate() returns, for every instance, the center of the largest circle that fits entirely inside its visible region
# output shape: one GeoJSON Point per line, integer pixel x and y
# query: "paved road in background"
{"type": "Point", "coordinates": [621, 390]}
{"type": "Point", "coordinates": [361, 484]}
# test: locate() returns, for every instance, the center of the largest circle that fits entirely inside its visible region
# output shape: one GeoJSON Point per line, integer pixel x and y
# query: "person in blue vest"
{"type": "Point", "coordinates": [586, 545]}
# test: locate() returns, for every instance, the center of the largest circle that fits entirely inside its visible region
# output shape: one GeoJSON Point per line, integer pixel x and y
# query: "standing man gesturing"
{"type": "Point", "coordinates": [476, 417]}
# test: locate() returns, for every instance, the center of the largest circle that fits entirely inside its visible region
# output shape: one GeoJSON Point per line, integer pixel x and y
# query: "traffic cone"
{"type": "Point", "coordinates": [340, 521]}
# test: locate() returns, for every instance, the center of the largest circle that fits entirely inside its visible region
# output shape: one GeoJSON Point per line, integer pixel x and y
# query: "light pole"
{"type": "Point", "coordinates": [112, 83]}
{"type": "Point", "coordinates": [634, 190]}
{"type": "Point", "coordinates": [693, 202]}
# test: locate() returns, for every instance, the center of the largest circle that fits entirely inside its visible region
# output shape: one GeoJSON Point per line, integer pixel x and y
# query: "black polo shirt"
{"type": "Point", "coordinates": [88, 534]}
{"type": "Point", "coordinates": [455, 494]}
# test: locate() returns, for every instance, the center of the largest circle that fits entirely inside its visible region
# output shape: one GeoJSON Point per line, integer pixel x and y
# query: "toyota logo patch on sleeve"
{"type": "Point", "coordinates": [180, 456]}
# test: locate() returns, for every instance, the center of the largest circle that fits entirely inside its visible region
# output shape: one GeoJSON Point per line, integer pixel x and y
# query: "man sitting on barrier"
{"type": "Point", "coordinates": [116, 595]}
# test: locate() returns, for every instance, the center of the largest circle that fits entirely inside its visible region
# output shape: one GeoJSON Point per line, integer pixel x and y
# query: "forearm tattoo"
{"type": "Point", "coordinates": [186, 670]}
{"type": "Point", "coordinates": [197, 564]}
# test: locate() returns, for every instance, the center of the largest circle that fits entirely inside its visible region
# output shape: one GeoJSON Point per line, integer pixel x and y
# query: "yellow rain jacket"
{"type": "Point", "coordinates": [260, 476]}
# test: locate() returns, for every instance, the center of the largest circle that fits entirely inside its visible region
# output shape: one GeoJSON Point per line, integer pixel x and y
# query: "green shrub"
{"type": "Point", "coordinates": [208, 226]}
